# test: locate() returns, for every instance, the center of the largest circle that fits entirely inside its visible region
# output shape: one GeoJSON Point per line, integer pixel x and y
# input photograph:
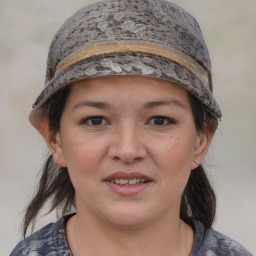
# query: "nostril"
{"type": "Point", "coordinates": [127, 159]}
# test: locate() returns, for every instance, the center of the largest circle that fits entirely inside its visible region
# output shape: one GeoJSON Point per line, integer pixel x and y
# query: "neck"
{"type": "Point", "coordinates": [94, 238]}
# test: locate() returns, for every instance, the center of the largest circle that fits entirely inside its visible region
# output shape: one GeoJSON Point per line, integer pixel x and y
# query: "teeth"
{"type": "Point", "coordinates": [127, 182]}
{"type": "Point", "coordinates": [132, 182]}
{"type": "Point", "coordinates": [122, 181]}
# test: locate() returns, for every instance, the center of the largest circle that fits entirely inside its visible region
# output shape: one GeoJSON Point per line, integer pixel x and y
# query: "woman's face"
{"type": "Point", "coordinates": [129, 144]}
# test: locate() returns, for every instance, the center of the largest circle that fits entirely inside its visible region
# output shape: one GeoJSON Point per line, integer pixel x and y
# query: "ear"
{"type": "Point", "coordinates": [203, 141]}
{"type": "Point", "coordinates": [56, 147]}
{"type": "Point", "coordinates": [53, 141]}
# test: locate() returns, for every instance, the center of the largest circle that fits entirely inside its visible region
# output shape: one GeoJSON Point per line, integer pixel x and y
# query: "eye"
{"type": "Point", "coordinates": [95, 121]}
{"type": "Point", "coordinates": [161, 121]}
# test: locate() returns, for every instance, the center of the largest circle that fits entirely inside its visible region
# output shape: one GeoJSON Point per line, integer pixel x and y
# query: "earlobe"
{"type": "Point", "coordinates": [203, 142]}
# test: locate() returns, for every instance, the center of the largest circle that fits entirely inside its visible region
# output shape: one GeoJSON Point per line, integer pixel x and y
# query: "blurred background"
{"type": "Point", "coordinates": [229, 26]}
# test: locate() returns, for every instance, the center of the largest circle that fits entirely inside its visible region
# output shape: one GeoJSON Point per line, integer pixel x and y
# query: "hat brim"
{"type": "Point", "coordinates": [128, 63]}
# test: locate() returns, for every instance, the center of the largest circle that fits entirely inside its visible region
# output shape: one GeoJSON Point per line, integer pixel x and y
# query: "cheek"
{"type": "Point", "coordinates": [176, 159]}
{"type": "Point", "coordinates": [172, 143]}
{"type": "Point", "coordinates": [176, 150]}
{"type": "Point", "coordinates": [83, 156]}
{"type": "Point", "coordinates": [83, 163]}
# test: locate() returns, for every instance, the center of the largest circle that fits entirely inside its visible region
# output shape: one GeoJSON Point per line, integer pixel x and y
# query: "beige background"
{"type": "Point", "coordinates": [27, 27]}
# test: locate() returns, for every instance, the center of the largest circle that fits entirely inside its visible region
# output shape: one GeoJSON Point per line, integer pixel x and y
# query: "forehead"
{"type": "Point", "coordinates": [136, 87]}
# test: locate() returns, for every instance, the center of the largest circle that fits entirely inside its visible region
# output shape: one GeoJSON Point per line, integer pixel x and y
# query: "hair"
{"type": "Point", "coordinates": [198, 201]}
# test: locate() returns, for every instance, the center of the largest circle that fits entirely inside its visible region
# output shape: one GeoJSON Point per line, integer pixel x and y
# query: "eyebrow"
{"type": "Point", "coordinates": [147, 105]}
{"type": "Point", "coordinates": [94, 104]}
{"type": "Point", "coordinates": [153, 104]}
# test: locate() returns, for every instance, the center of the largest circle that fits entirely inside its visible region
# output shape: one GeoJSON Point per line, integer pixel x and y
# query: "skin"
{"type": "Point", "coordinates": [145, 125]}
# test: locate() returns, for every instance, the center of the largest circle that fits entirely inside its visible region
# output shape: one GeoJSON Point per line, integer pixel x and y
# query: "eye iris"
{"type": "Point", "coordinates": [96, 121]}
{"type": "Point", "coordinates": [159, 121]}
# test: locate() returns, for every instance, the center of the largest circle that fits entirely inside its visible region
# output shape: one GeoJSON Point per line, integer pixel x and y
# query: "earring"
{"type": "Point", "coordinates": [196, 162]}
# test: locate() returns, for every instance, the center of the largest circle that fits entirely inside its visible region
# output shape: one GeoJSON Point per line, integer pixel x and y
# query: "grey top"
{"type": "Point", "coordinates": [51, 241]}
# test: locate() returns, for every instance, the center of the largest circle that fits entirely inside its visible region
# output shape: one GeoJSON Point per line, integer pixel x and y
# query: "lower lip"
{"type": "Point", "coordinates": [128, 190]}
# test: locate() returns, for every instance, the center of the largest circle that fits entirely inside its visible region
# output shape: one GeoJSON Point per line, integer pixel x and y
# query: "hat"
{"type": "Point", "coordinates": [150, 38]}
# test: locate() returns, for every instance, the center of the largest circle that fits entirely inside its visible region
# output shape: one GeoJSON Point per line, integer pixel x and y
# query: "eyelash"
{"type": "Point", "coordinates": [89, 121]}
{"type": "Point", "coordinates": [167, 121]}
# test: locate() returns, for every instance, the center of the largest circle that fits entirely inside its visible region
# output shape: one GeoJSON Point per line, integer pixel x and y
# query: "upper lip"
{"type": "Point", "coordinates": [127, 176]}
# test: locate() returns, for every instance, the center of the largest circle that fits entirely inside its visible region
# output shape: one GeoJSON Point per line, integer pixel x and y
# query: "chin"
{"type": "Point", "coordinates": [129, 217]}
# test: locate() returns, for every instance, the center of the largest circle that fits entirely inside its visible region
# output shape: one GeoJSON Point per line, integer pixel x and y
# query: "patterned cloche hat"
{"type": "Point", "coordinates": [129, 37]}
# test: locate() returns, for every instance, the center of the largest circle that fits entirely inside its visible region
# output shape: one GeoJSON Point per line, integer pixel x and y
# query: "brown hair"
{"type": "Point", "coordinates": [198, 199]}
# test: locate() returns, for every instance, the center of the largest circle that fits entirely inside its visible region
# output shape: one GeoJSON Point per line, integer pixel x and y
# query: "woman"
{"type": "Point", "coordinates": [128, 115]}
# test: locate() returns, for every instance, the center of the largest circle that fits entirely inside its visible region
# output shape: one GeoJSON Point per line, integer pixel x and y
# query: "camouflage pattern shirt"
{"type": "Point", "coordinates": [51, 241]}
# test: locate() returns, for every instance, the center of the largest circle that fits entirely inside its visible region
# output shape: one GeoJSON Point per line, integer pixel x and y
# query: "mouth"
{"type": "Point", "coordinates": [128, 178]}
{"type": "Point", "coordinates": [130, 183]}
{"type": "Point", "coordinates": [126, 182]}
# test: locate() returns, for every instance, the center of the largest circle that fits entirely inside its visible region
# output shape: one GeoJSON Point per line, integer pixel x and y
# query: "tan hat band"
{"type": "Point", "coordinates": [140, 47]}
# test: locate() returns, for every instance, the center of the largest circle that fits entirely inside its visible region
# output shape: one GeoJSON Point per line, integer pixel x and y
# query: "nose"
{"type": "Point", "coordinates": [127, 144]}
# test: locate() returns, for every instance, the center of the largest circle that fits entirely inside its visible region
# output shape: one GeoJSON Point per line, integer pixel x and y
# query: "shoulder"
{"type": "Point", "coordinates": [38, 242]}
{"type": "Point", "coordinates": [49, 240]}
{"type": "Point", "coordinates": [213, 243]}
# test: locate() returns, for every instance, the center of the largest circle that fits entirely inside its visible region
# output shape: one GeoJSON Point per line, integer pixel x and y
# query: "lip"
{"type": "Point", "coordinates": [130, 190]}
{"type": "Point", "coordinates": [127, 176]}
